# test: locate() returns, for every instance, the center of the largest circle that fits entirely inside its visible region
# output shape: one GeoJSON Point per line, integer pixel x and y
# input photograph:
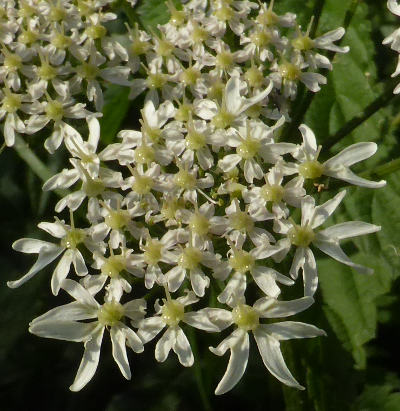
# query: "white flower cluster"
{"type": "Point", "coordinates": [204, 197]}
{"type": "Point", "coordinates": [55, 56]}
{"type": "Point", "coordinates": [394, 39]}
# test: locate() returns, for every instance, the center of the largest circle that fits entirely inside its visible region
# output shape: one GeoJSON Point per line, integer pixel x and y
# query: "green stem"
{"type": "Point", "coordinates": [36, 165]}
{"type": "Point", "coordinates": [375, 106]}
{"type": "Point", "coordinates": [3, 147]}
{"type": "Point", "coordinates": [197, 372]}
{"type": "Point", "coordinates": [384, 169]}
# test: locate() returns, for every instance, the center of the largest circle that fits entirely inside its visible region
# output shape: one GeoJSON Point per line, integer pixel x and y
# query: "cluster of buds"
{"type": "Point", "coordinates": [204, 199]}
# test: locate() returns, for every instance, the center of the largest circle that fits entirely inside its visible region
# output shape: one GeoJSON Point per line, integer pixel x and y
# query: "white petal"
{"type": "Point", "coordinates": [291, 329]}
{"type": "Point", "coordinates": [46, 256]}
{"type": "Point", "coordinates": [264, 278]}
{"type": "Point", "coordinates": [209, 319]}
{"type": "Point", "coordinates": [30, 245]}
{"type": "Point", "coordinates": [63, 329]}
{"type": "Point", "coordinates": [324, 211]}
{"type": "Point", "coordinates": [310, 275]}
{"type": "Point", "coordinates": [271, 308]}
{"type": "Point", "coordinates": [72, 312]}
{"type": "Point", "coordinates": [80, 294]}
{"type": "Point", "coordinates": [164, 344]}
{"type": "Point", "coordinates": [229, 162]}
{"type": "Point", "coordinates": [347, 175]}
{"type": "Point", "coordinates": [132, 338]}
{"type": "Point", "coordinates": [333, 249]}
{"type": "Point", "coordinates": [149, 328]}
{"type": "Point", "coordinates": [119, 351]}
{"type": "Point", "coordinates": [349, 229]}
{"type": "Point", "coordinates": [182, 348]}
{"type": "Point", "coordinates": [237, 364]}
{"type": "Point", "coordinates": [90, 361]}
{"type": "Point", "coordinates": [61, 271]}
{"type": "Point", "coordinates": [272, 357]}
{"type": "Point", "coordinates": [351, 155]}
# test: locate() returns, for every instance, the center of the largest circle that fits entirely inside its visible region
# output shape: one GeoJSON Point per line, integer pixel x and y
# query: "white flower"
{"type": "Point", "coordinates": [327, 240]}
{"type": "Point", "coordinates": [337, 167]}
{"type": "Point", "coordinates": [169, 315]}
{"type": "Point", "coordinates": [233, 105]}
{"type": "Point", "coordinates": [253, 142]}
{"type": "Point", "coordinates": [243, 262]}
{"type": "Point", "coordinates": [274, 192]}
{"type": "Point", "coordinates": [267, 336]}
{"type": "Point", "coordinates": [70, 238]}
{"type": "Point", "coordinates": [63, 323]}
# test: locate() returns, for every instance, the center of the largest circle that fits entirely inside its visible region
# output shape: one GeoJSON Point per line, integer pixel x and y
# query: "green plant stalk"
{"type": "Point", "coordinates": [375, 106]}
{"type": "Point", "coordinates": [33, 161]}
{"type": "Point", "coordinates": [197, 372]}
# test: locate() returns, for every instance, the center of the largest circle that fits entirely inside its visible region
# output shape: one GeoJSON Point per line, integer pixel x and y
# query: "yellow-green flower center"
{"type": "Point", "coordinates": [57, 14]}
{"type": "Point", "coordinates": [152, 252]}
{"type": "Point", "coordinates": [12, 62]}
{"type": "Point", "coordinates": [249, 148]}
{"type": "Point", "coordinates": [144, 154]}
{"type": "Point", "coordinates": [169, 208]}
{"type": "Point", "coordinates": [183, 112]}
{"type": "Point", "coordinates": [289, 71]}
{"type": "Point", "coordinates": [117, 219]}
{"type": "Point", "coordinates": [73, 238]}
{"type": "Point", "coordinates": [164, 48]}
{"type": "Point", "coordinates": [113, 266]}
{"type": "Point", "coordinates": [240, 220]}
{"type": "Point", "coordinates": [190, 75]}
{"type": "Point", "coordinates": [245, 317]}
{"type": "Point", "coordinates": [190, 258]}
{"type": "Point", "coordinates": [224, 60]}
{"type": "Point", "coordinates": [311, 169]}
{"type": "Point", "coordinates": [110, 314]}
{"type": "Point", "coordinates": [87, 71]}
{"type": "Point", "coordinates": [156, 80]}
{"type": "Point", "coordinates": [254, 76]}
{"type": "Point", "coordinates": [224, 13]}
{"type": "Point", "coordinates": [96, 31]}
{"type": "Point", "coordinates": [223, 119]}
{"type": "Point", "coordinates": [199, 224]}
{"type": "Point", "coordinates": [27, 37]}
{"type": "Point", "coordinates": [46, 72]}
{"type": "Point", "coordinates": [303, 43]}
{"type": "Point", "coordinates": [172, 312]}
{"type": "Point", "coordinates": [301, 236]}
{"type": "Point", "coordinates": [267, 18]}
{"type": "Point", "coordinates": [177, 17]}
{"type": "Point", "coordinates": [139, 47]}
{"type": "Point", "coordinates": [272, 192]}
{"type": "Point", "coordinates": [60, 41]}
{"type": "Point", "coordinates": [241, 261]}
{"type": "Point", "coordinates": [93, 187]}
{"type": "Point", "coordinates": [216, 90]}
{"type": "Point", "coordinates": [194, 140]}
{"type": "Point", "coordinates": [261, 38]}
{"type": "Point", "coordinates": [185, 180]}
{"type": "Point", "coordinates": [199, 35]}
{"type": "Point", "coordinates": [54, 110]}
{"type": "Point", "coordinates": [11, 102]}
{"type": "Point", "coordinates": [142, 184]}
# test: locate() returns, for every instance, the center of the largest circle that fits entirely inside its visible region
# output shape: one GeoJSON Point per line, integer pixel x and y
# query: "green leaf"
{"type": "Point", "coordinates": [382, 397]}
{"type": "Point", "coordinates": [114, 112]}
{"type": "Point", "coordinates": [153, 12]}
